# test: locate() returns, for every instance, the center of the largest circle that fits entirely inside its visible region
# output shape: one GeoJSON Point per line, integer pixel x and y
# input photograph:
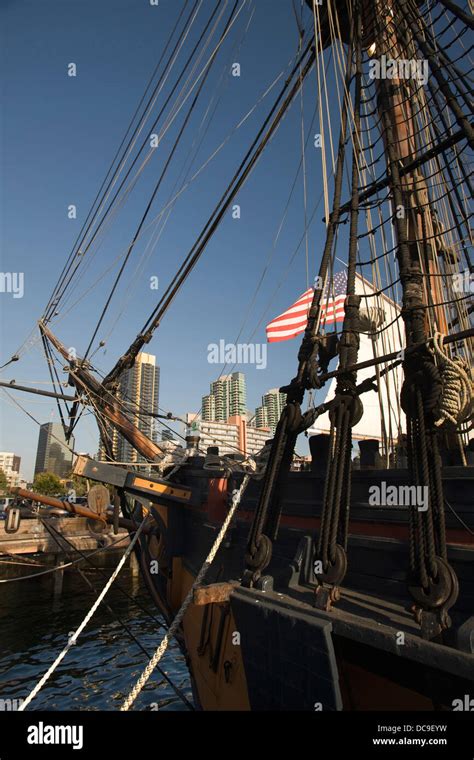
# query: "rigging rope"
{"type": "Point", "coordinates": [72, 640]}
{"type": "Point", "coordinates": [332, 540]}
{"type": "Point", "coordinates": [272, 121]}
{"type": "Point", "coordinates": [56, 568]}
{"type": "Point", "coordinates": [57, 536]}
{"type": "Point", "coordinates": [187, 601]}
{"type": "Point", "coordinates": [93, 215]}
{"type": "Point", "coordinates": [157, 187]}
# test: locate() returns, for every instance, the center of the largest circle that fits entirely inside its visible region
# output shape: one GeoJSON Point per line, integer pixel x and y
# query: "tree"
{"type": "Point", "coordinates": [3, 482]}
{"type": "Point", "coordinates": [48, 484]}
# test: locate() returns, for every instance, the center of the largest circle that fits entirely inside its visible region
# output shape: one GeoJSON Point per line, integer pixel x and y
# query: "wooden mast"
{"type": "Point", "coordinates": [432, 581]}
{"type": "Point", "coordinates": [83, 380]}
{"type": "Point", "coordinates": [416, 210]}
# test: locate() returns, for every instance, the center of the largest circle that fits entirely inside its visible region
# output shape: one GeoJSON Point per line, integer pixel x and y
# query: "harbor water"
{"type": "Point", "coordinates": [103, 665]}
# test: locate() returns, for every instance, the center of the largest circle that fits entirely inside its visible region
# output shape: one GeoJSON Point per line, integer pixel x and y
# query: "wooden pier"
{"type": "Point", "coordinates": [57, 540]}
{"type": "Point", "coordinates": [33, 536]}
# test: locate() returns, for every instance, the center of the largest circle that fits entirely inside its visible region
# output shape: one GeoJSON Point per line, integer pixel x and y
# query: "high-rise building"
{"type": "Point", "coordinates": [53, 453]}
{"type": "Point", "coordinates": [261, 417]}
{"type": "Point", "coordinates": [227, 398]}
{"type": "Point", "coordinates": [209, 407]}
{"type": "Point", "coordinates": [10, 464]}
{"type": "Point", "coordinates": [268, 414]}
{"type": "Point", "coordinates": [138, 392]}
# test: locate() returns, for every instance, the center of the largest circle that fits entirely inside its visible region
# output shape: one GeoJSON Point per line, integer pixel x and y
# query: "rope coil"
{"type": "Point", "coordinates": [457, 397]}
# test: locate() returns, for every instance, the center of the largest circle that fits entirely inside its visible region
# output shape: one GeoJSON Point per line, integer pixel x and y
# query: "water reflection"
{"type": "Point", "coordinates": [100, 669]}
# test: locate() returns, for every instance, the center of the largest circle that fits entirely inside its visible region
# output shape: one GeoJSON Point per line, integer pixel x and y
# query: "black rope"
{"type": "Point", "coordinates": [458, 12]}
{"type": "Point", "coordinates": [213, 222]}
{"type": "Point", "coordinates": [163, 172]}
{"type": "Point", "coordinates": [335, 512]}
{"type": "Point", "coordinates": [436, 69]}
{"type": "Point", "coordinates": [54, 300]}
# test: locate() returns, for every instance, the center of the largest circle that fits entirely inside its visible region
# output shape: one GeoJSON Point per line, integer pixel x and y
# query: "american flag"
{"type": "Point", "coordinates": [293, 321]}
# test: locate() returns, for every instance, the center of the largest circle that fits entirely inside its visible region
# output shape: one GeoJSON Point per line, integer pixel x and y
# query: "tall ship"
{"type": "Point", "coordinates": [345, 583]}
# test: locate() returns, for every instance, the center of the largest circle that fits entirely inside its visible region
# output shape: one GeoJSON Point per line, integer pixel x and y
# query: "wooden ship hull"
{"type": "Point", "coordinates": [269, 647]}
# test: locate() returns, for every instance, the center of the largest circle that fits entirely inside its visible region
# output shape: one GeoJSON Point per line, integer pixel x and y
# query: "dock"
{"type": "Point", "coordinates": [57, 541]}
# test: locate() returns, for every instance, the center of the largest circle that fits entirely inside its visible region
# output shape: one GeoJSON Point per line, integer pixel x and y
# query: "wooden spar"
{"type": "Point", "coordinates": [76, 509]}
{"type": "Point", "coordinates": [466, 335]}
{"type": "Point", "coordinates": [13, 386]}
{"type": "Point", "coordinates": [414, 188]}
{"type": "Point", "coordinates": [50, 501]}
{"type": "Point", "coordinates": [85, 381]}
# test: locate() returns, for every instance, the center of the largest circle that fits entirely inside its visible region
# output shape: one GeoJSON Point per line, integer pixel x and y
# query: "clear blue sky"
{"type": "Point", "coordinates": [59, 135]}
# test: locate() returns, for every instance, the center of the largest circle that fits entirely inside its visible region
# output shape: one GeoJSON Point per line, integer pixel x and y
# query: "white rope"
{"type": "Point", "coordinates": [458, 387]}
{"type": "Point", "coordinates": [176, 458]}
{"type": "Point", "coordinates": [89, 615]}
{"type": "Point", "coordinates": [187, 601]}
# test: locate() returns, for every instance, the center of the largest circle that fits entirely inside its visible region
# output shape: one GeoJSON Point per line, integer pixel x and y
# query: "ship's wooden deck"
{"type": "Point", "coordinates": [368, 619]}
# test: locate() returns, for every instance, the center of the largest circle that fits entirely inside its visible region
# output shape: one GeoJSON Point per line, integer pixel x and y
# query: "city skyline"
{"type": "Point", "coordinates": [219, 425]}
{"type": "Point", "coordinates": [265, 417]}
{"type": "Point", "coordinates": [228, 396]}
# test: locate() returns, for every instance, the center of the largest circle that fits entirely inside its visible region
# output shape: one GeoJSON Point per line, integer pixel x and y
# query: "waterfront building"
{"type": "Point", "coordinates": [53, 453]}
{"type": "Point", "coordinates": [261, 416]}
{"type": "Point", "coordinates": [227, 397]}
{"type": "Point", "coordinates": [268, 414]}
{"type": "Point", "coordinates": [10, 464]}
{"type": "Point", "coordinates": [139, 393]}
{"type": "Point", "coordinates": [257, 438]}
{"type": "Point", "coordinates": [209, 407]}
{"type": "Point", "coordinates": [234, 436]}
